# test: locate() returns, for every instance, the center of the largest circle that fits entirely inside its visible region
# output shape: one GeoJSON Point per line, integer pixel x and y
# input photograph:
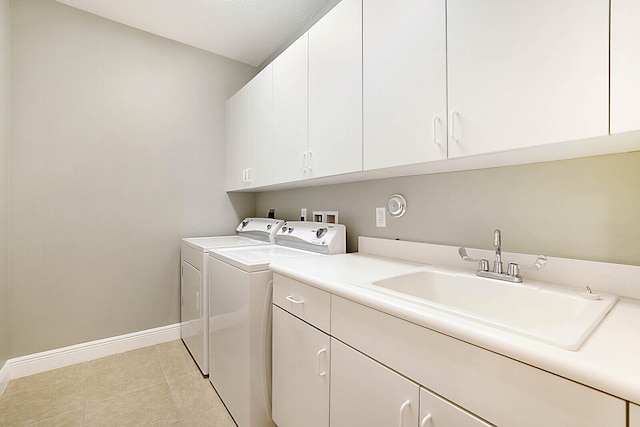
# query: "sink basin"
{"type": "Point", "coordinates": [560, 316]}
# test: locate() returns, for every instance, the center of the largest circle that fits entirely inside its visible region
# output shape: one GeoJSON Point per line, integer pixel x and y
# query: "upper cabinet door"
{"type": "Point", "coordinates": [237, 140]}
{"type": "Point", "coordinates": [404, 82]}
{"type": "Point", "coordinates": [625, 65]}
{"type": "Point", "coordinates": [260, 147]}
{"type": "Point", "coordinates": [335, 91]}
{"type": "Point", "coordinates": [526, 73]}
{"type": "Point", "coordinates": [290, 110]}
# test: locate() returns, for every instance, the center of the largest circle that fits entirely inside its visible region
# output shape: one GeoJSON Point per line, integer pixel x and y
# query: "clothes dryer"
{"type": "Point", "coordinates": [194, 298]}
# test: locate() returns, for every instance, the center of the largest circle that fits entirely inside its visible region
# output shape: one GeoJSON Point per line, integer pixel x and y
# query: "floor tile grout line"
{"type": "Point", "coordinates": [166, 378]}
{"type": "Point", "coordinates": [51, 418]}
{"type": "Point", "coordinates": [86, 393]}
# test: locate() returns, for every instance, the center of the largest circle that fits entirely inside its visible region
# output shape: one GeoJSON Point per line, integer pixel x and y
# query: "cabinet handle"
{"type": "Point", "coordinates": [303, 160]}
{"type": "Point", "coordinates": [402, 408]}
{"type": "Point", "coordinates": [425, 420]}
{"type": "Point", "coordinates": [454, 114]}
{"type": "Point", "coordinates": [293, 300]}
{"type": "Point", "coordinates": [309, 160]}
{"type": "Point", "coordinates": [434, 125]}
{"type": "Point", "coordinates": [246, 175]}
{"type": "Point", "coordinates": [323, 373]}
{"type": "Point", "coordinates": [198, 301]}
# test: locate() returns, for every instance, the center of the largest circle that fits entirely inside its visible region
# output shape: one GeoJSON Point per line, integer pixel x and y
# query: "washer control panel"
{"type": "Point", "coordinates": [314, 236]}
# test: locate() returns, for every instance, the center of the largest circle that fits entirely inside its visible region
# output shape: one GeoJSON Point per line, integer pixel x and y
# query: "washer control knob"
{"type": "Point", "coordinates": [269, 226]}
{"type": "Point", "coordinates": [321, 232]}
{"type": "Point", "coordinates": [245, 223]}
{"type": "Point", "coordinates": [290, 230]}
{"type": "Point", "coordinates": [284, 229]}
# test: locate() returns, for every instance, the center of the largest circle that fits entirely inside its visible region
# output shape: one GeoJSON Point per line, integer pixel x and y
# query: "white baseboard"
{"type": "Point", "coordinates": [61, 357]}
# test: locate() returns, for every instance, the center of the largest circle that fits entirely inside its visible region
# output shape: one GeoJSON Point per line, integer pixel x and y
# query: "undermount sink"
{"type": "Point", "coordinates": [560, 316]}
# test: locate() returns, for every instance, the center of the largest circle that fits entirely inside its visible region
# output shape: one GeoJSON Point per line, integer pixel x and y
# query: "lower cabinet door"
{"type": "Point", "coordinates": [300, 361]}
{"type": "Point", "coordinates": [634, 415]}
{"type": "Point", "coordinates": [366, 393]}
{"type": "Point", "coordinates": [437, 412]}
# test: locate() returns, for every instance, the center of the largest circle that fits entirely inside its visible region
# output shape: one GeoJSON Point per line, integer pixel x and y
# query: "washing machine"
{"type": "Point", "coordinates": [240, 299]}
{"type": "Point", "coordinates": [194, 305]}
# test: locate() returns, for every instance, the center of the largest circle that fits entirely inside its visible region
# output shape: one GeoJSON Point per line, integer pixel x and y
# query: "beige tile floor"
{"type": "Point", "coordinates": [153, 386]}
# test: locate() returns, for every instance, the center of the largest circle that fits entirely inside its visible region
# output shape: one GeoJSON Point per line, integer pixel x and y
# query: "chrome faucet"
{"type": "Point", "coordinates": [513, 272]}
{"type": "Point", "coordinates": [497, 264]}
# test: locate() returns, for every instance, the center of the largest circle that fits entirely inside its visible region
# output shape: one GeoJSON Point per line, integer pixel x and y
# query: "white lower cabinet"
{"type": "Point", "coordinates": [634, 415]}
{"type": "Point", "coordinates": [438, 412]}
{"type": "Point", "coordinates": [365, 393]}
{"type": "Point", "coordinates": [501, 390]}
{"type": "Point", "coordinates": [301, 375]}
{"type": "Point", "coordinates": [373, 369]}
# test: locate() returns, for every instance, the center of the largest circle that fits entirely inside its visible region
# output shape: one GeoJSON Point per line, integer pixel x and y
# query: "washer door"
{"type": "Point", "coordinates": [191, 313]}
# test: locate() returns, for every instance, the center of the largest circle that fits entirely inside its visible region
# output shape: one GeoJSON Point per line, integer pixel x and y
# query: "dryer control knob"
{"type": "Point", "coordinates": [321, 232]}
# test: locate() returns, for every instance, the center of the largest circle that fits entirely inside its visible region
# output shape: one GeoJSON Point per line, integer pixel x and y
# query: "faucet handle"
{"type": "Point", "coordinates": [514, 269]}
{"type": "Point", "coordinates": [483, 264]}
{"type": "Point", "coordinates": [541, 261]}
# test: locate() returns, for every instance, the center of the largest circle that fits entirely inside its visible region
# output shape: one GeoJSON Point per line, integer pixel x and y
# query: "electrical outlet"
{"type": "Point", "coordinates": [381, 217]}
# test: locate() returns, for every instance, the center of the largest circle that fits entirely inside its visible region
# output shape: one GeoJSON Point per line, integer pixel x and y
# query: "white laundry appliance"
{"type": "Point", "coordinates": [194, 305]}
{"type": "Point", "coordinates": [240, 299]}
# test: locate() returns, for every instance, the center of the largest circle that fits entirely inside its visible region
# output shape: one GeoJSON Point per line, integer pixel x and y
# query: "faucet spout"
{"type": "Point", "coordinates": [497, 243]}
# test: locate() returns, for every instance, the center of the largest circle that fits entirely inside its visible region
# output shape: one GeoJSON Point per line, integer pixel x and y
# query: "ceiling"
{"type": "Point", "coordinates": [248, 31]}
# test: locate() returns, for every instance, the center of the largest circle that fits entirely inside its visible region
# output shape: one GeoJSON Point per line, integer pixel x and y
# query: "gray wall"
{"type": "Point", "coordinates": [584, 208]}
{"type": "Point", "coordinates": [5, 81]}
{"type": "Point", "coordinates": [116, 153]}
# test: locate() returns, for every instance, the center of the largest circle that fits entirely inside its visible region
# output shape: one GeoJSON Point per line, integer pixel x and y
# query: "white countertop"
{"type": "Point", "coordinates": [609, 359]}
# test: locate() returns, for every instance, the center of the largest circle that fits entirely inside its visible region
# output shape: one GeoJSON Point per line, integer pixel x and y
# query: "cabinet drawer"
{"type": "Point", "coordinates": [501, 390]}
{"type": "Point", "coordinates": [306, 302]}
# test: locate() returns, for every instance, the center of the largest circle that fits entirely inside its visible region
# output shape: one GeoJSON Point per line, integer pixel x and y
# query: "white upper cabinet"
{"type": "Point", "coordinates": [237, 140]}
{"type": "Point", "coordinates": [522, 74]}
{"type": "Point", "coordinates": [625, 65]}
{"type": "Point", "coordinates": [335, 92]}
{"type": "Point", "coordinates": [260, 148]}
{"type": "Point", "coordinates": [249, 144]}
{"type": "Point", "coordinates": [404, 82]}
{"type": "Point", "coordinates": [290, 110]}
